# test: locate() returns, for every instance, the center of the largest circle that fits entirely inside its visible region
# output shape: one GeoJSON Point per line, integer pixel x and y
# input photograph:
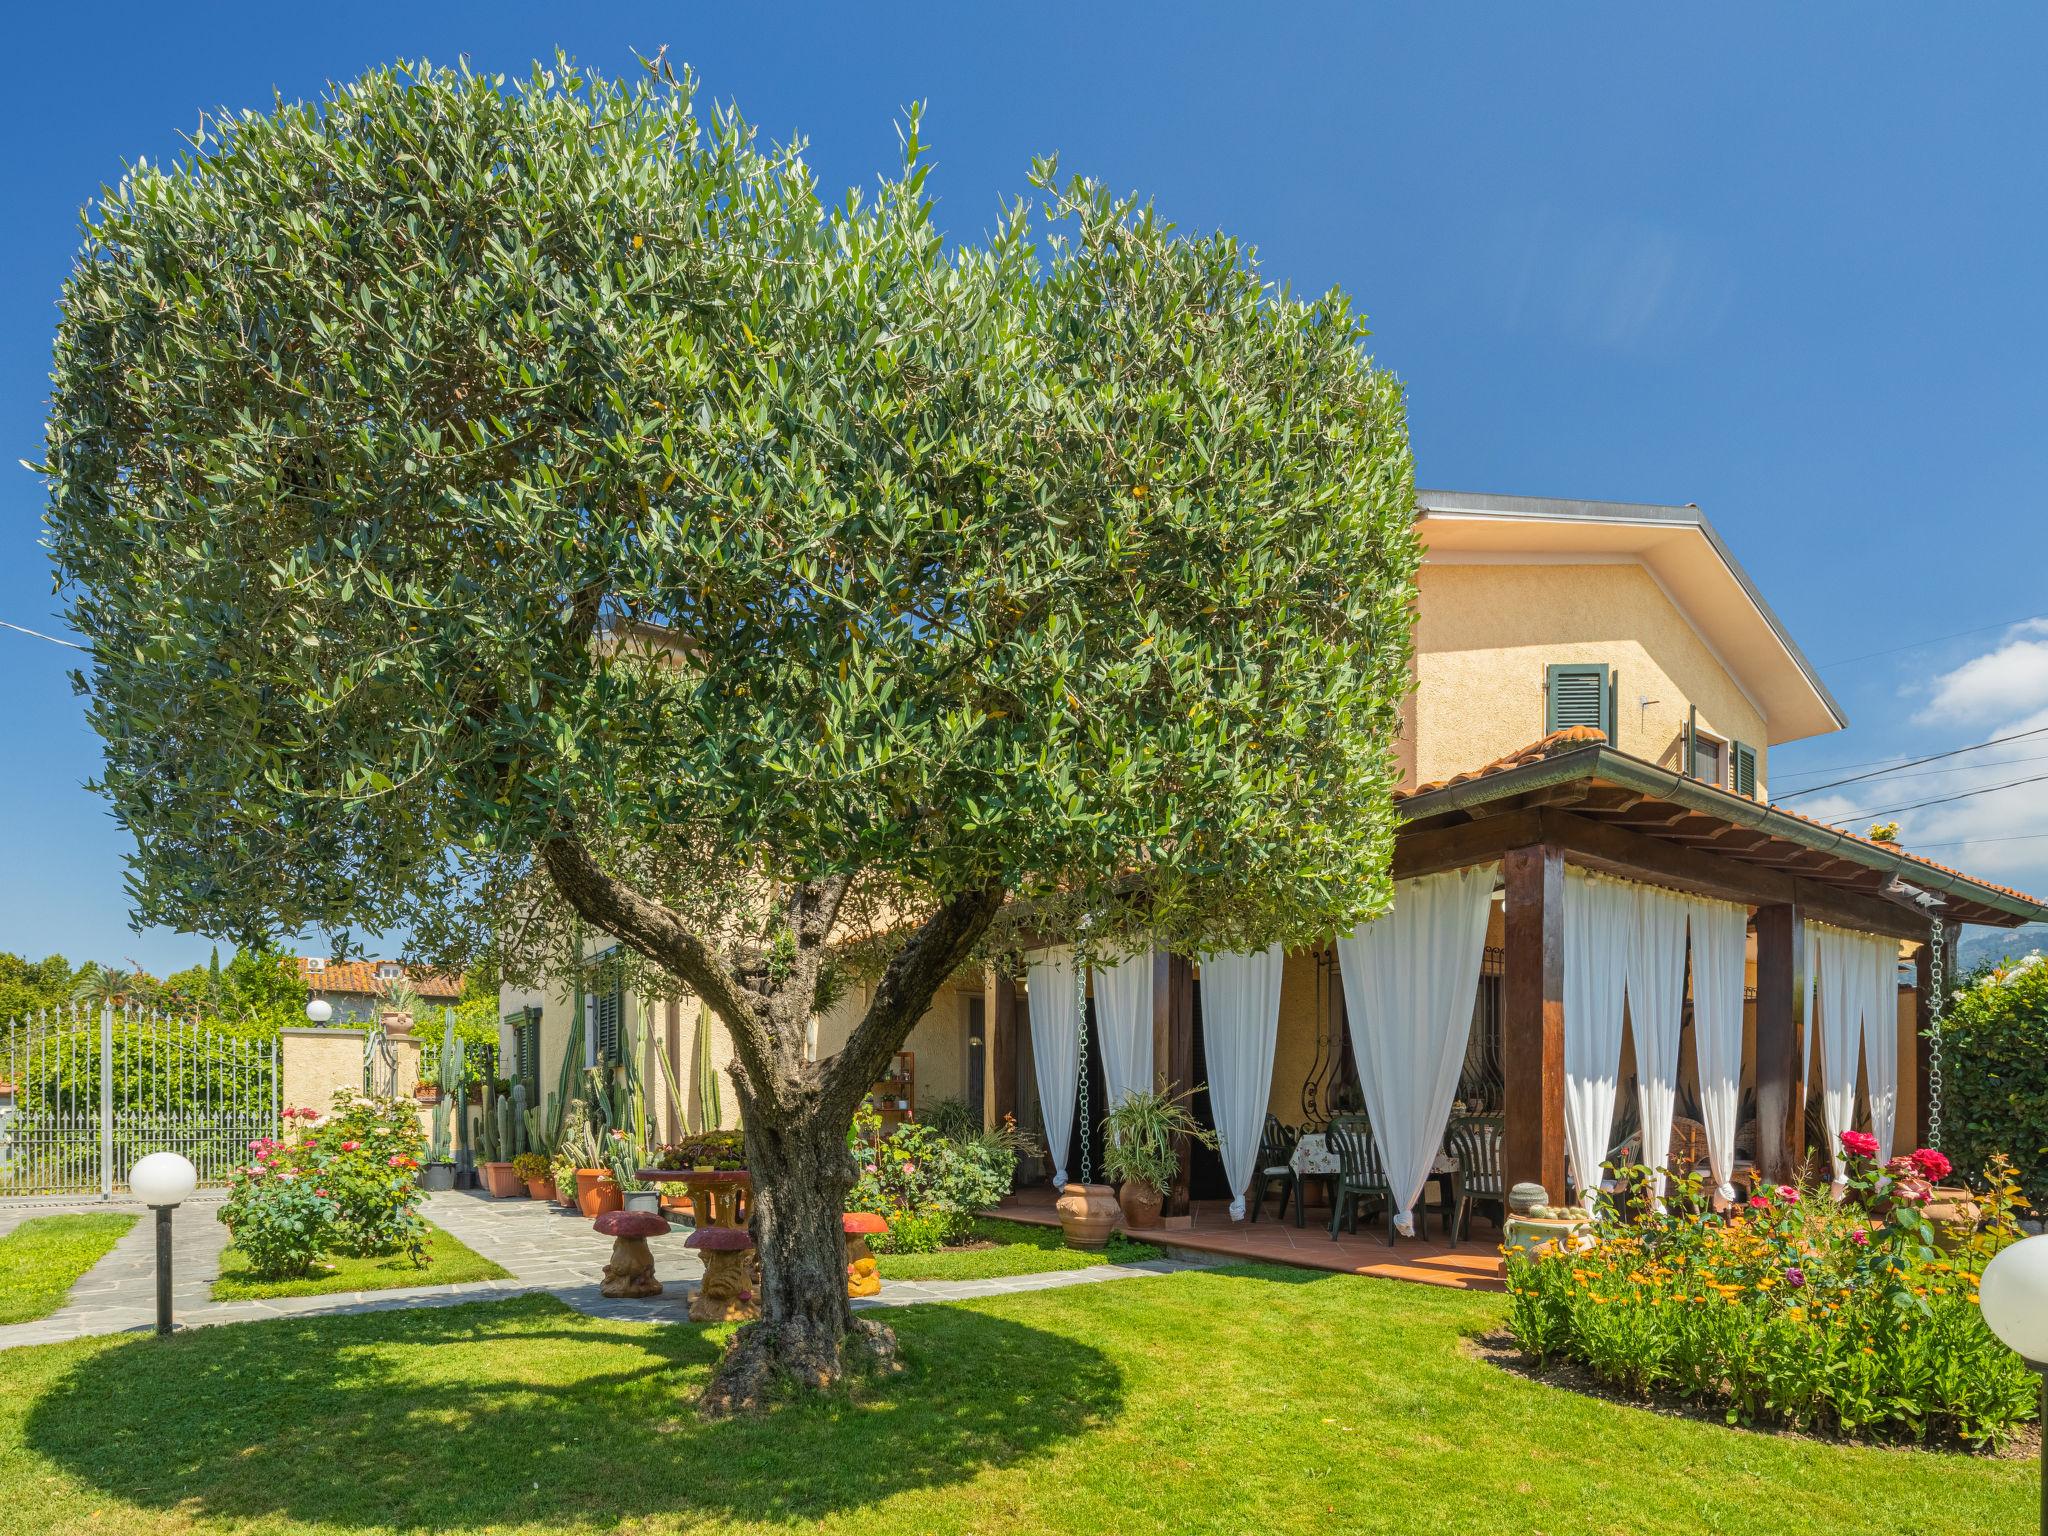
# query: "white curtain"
{"type": "Point", "coordinates": [1240, 1025]}
{"type": "Point", "coordinates": [1123, 1023]}
{"type": "Point", "coordinates": [1880, 968]}
{"type": "Point", "coordinates": [1838, 1022]}
{"type": "Point", "coordinates": [1410, 981]}
{"type": "Point", "coordinates": [1055, 1047]}
{"type": "Point", "coordinates": [1656, 1010]}
{"type": "Point", "coordinates": [1720, 936]}
{"type": "Point", "coordinates": [1599, 916]}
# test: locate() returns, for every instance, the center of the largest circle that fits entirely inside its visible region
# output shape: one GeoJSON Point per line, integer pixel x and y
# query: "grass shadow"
{"type": "Point", "coordinates": [525, 1412]}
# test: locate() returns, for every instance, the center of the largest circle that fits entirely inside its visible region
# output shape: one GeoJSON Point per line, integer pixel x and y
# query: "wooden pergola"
{"type": "Point", "coordinates": [1572, 802]}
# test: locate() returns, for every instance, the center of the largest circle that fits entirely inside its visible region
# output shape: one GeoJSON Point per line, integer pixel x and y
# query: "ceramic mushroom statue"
{"type": "Point", "coordinates": [726, 1293]}
{"type": "Point", "coordinates": [863, 1277]}
{"type": "Point", "coordinates": [631, 1271]}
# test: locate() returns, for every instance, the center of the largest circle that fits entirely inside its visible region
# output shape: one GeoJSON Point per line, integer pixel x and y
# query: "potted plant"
{"type": "Point", "coordinates": [494, 1134]}
{"type": "Point", "coordinates": [1143, 1153]}
{"type": "Point", "coordinates": [438, 1171]}
{"type": "Point", "coordinates": [532, 1170]}
{"type": "Point", "coordinates": [623, 1161]}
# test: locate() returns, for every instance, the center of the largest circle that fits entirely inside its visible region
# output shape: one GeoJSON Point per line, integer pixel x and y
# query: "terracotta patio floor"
{"type": "Point", "coordinates": [1473, 1265]}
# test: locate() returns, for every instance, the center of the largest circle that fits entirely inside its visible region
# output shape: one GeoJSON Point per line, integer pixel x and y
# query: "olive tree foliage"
{"type": "Point", "coordinates": [502, 507]}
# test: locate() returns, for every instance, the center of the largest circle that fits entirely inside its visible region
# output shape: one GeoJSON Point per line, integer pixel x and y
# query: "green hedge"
{"type": "Point", "coordinates": [1995, 1072]}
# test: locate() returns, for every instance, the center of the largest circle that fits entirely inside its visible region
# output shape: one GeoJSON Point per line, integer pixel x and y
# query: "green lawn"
{"type": "Point", "coordinates": [42, 1258]}
{"type": "Point", "coordinates": [1011, 1248]}
{"type": "Point", "coordinates": [1211, 1401]}
{"type": "Point", "coordinates": [449, 1262]}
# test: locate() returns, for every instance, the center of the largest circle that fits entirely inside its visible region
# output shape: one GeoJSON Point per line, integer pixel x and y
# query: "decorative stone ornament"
{"type": "Point", "coordinates": [726, 1293]}
{"type": "Point", "coordinates": [631, 1271]}
{"type": "Point", "coordinates": [863, 1274]}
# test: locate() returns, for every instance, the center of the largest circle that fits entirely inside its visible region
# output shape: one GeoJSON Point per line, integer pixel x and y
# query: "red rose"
{"type": "Point", "coordinates": [1859, 1143]}
{"type": "Point", "coordinates": [1760, 1202]}
{"type": "Point", "coordinates": [1932, 1165]}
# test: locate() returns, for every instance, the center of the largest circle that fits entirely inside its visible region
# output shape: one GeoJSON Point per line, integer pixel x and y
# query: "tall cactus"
{"type": "Point", "coordinates": [487, 1147]}
{"type": "Point", "coordinates": [710, 1111]}
{"type": "Point", "coordinates": [515, 1140]}
{"type": "Point", "coordinates": [438, 1150]}
{"type": "Point", "coordinates": [506, 1131]}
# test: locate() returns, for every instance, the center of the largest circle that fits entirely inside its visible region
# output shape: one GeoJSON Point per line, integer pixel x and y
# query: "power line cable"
{"type": "Point", "coordinates": [1936, 640]}
{"type": "Point", "coordinates": [1918, 805]}
{"type": "Point", "coordinates": [1913, 762]}
{"type": "Point", "coordinates": [39, 635]}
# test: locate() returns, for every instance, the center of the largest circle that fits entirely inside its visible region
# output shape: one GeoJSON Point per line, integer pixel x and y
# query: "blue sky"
{"type": "Point", "coordinates": [1785, 266]}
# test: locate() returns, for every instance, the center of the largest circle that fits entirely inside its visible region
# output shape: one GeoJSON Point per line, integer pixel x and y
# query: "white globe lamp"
{"type": "Point", "coordinates": [319, 1011]}
{"type": "Point", "coordinates": [2013, 1294]}
{"type": "Point", "coordinates": [164, 1180]}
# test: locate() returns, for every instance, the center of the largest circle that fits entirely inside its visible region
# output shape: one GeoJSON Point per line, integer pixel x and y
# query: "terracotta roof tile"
{"type": "Point", "coordinates": [358, 978]}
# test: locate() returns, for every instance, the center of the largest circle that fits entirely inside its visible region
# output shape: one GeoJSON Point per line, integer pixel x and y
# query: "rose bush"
{"type": "Point", "coordinates": [1798, 1310]}
{"type": "Point", "coordinates": [345, 1184]}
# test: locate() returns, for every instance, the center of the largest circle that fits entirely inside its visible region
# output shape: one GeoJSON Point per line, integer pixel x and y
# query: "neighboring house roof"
{"type": "Point", "coordinates": [1684, 556]}
{"type": "Point", "coordinates": [360, 978]}
{"type": "Point", "coordinates": [1576, 770]}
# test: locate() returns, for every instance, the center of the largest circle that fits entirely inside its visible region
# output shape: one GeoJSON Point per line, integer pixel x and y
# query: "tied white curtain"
{"type": "Point", "coordinates": [1240, 1024]}
{"type": "Point", "coordinates": [1840, 970]}
{"type": "Point", "coordinates": [1599, 916]}
{"type": "Point", "coordinates": [1410, 981]}
{"type": "Point", "coordinates": [1656, 1010]}
{"type": "Point", "coordinates": [1123, 1023]}
{"type": "Point", "coordinates": [1720, 935]}
{"type": "Point", "coordinates": [1055, 1048]}
{"type": "Point", "coordinates": [1880, 967]}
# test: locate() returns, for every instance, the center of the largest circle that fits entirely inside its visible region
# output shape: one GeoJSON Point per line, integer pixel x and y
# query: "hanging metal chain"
{"type": "Point", "coordinates": [1937, 986]}
{"type": "Point", "coordinates": [1081, 1024]}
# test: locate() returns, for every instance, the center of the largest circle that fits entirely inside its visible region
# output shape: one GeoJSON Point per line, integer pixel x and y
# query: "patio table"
{"type": "Point", "coordinates": [719, 1197]}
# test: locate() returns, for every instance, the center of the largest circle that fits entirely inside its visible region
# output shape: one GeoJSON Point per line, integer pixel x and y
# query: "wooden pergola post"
{"type": "Point", "coordinates": [1781, 962]}
{"type": "Point", "coordinates": [1532, 1020]}
{"type": "Point", "coordinates": [1173, 1059]}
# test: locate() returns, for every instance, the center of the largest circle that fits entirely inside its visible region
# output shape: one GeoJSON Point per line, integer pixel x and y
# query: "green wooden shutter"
{"type": "Point", "coordinates": [1576, 693]}
{"type": "Point", "coordinates": [1743, 756]}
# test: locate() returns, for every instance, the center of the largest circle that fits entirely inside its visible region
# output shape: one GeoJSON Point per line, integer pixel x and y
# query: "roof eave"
{"type": "Point", "coordinates": [1668, 784]}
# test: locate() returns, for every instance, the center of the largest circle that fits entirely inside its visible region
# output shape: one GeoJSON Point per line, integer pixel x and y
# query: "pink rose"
{"type": "Point", "coordinates": [1932, 1165]}
{"type": "Point", "coordinates": [1788, 1194]}
{"type": "Point", "coordinates": [1859, 1143]}
{"type": "Point", "coordinates": [1860, 1238]}
{"type": "Point", "coordinates": [394, 1161]}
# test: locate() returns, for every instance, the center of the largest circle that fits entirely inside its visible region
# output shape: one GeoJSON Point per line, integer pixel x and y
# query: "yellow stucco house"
{"type": "Point", "coordinates": [1597, 690]}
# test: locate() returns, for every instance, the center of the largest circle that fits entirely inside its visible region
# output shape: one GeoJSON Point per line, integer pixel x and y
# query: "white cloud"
{"type": "Point", "coordinates": [2000, 685]}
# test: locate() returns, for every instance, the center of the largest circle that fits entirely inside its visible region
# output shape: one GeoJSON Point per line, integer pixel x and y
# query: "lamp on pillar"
{"type": "Point", "coordinates": [163, 1181]}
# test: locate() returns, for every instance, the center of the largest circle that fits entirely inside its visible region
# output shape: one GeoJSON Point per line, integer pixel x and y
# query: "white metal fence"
{"type": "Point", "coordinates": [84, 1092]}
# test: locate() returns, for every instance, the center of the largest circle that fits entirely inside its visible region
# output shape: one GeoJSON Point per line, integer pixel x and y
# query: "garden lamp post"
{"type": "Point", "coordinates": [163, 1180]}
{"type": "Point", "coordinates": [319, 1011]}
{"type": "Point", "coordinates": [2014, 1295]}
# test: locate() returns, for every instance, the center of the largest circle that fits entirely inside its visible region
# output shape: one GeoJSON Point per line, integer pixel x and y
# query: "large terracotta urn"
{"type": "Point", "coordinates": [1140, 1202]}
{"type": "Point", "coordinates": [1088, 1214]}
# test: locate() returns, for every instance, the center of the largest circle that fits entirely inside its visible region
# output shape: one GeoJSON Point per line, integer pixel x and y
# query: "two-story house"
{"type": "Point", "coordinates": [1597, 688]}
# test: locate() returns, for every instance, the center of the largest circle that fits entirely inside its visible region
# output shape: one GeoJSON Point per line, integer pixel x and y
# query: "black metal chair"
{"type": "Point", "coordinates": [1276, 1166]}
{"type": "Point", "coordinates": [1475, 1142]}
{"type": "Point", "coordinates": [1359, 1174]}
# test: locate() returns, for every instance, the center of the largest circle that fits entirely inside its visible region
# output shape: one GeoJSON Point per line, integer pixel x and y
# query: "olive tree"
{"type": "Point", "coordinates": [498, 508]}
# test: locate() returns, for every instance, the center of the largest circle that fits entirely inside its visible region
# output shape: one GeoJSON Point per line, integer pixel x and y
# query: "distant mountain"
{"type": "Point", "coordinates": [1988, 946]}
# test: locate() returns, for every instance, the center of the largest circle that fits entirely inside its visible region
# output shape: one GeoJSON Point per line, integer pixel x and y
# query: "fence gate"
{"type": "Point", "coordinates": [85, 1092]}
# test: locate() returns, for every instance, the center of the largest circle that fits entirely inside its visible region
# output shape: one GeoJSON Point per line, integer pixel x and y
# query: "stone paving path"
{"type": "Point", "coordinates": [542, 1249]}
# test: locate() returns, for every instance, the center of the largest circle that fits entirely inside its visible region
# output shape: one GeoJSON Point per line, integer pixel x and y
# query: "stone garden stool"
{"type": "Point", "coordinates": [631, 1271]}
{"type": "Point", "coordinates": [726, 1293]}
{"type": "Point", "coordinates": [863, 1277]}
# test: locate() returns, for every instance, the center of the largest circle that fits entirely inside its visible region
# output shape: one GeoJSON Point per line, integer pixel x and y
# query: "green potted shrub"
{"type": "Point", "coordinates": [532, 1170]}
{"type": "Point", "coordinates": [1143, 1154]}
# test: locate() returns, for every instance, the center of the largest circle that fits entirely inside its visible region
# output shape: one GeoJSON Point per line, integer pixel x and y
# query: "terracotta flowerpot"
{"type": "Point", "coordinates": [676, 1205]}
{"type": "Point", "coordinates": [541, 1189]}
{"type": "Point", "coordinates": [501, 1182]}
{"type": "Point", "coordinates": [1141, 1203]}
{"type": "Point", "coordinates": [427, 1093]}
{"type": "Point", "coordinates": [1088, 1214]}
{"type": "Point", "coordinates": [596, 1192]}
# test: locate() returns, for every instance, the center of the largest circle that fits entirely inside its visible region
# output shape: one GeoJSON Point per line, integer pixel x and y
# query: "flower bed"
{"type": "Point", "coordinates": [928, 1185]}
{"type": "Point", "coordinates": [344, 1183]}
{"type": "Point", "coordinates": [1797, 1310]}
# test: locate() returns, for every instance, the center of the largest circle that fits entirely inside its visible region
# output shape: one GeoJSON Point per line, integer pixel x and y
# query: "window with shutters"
{"type": "Point", "coordinates": [1744, 779]}
{"type": "Point", "coordinates": [1578, 693]}
{"type": "Point", "coordinates": [1710, 760]}
{"type": "Point", "coordinates": [607, 1007]}
{"type": "Point", "coordinates": [526, 1050]}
